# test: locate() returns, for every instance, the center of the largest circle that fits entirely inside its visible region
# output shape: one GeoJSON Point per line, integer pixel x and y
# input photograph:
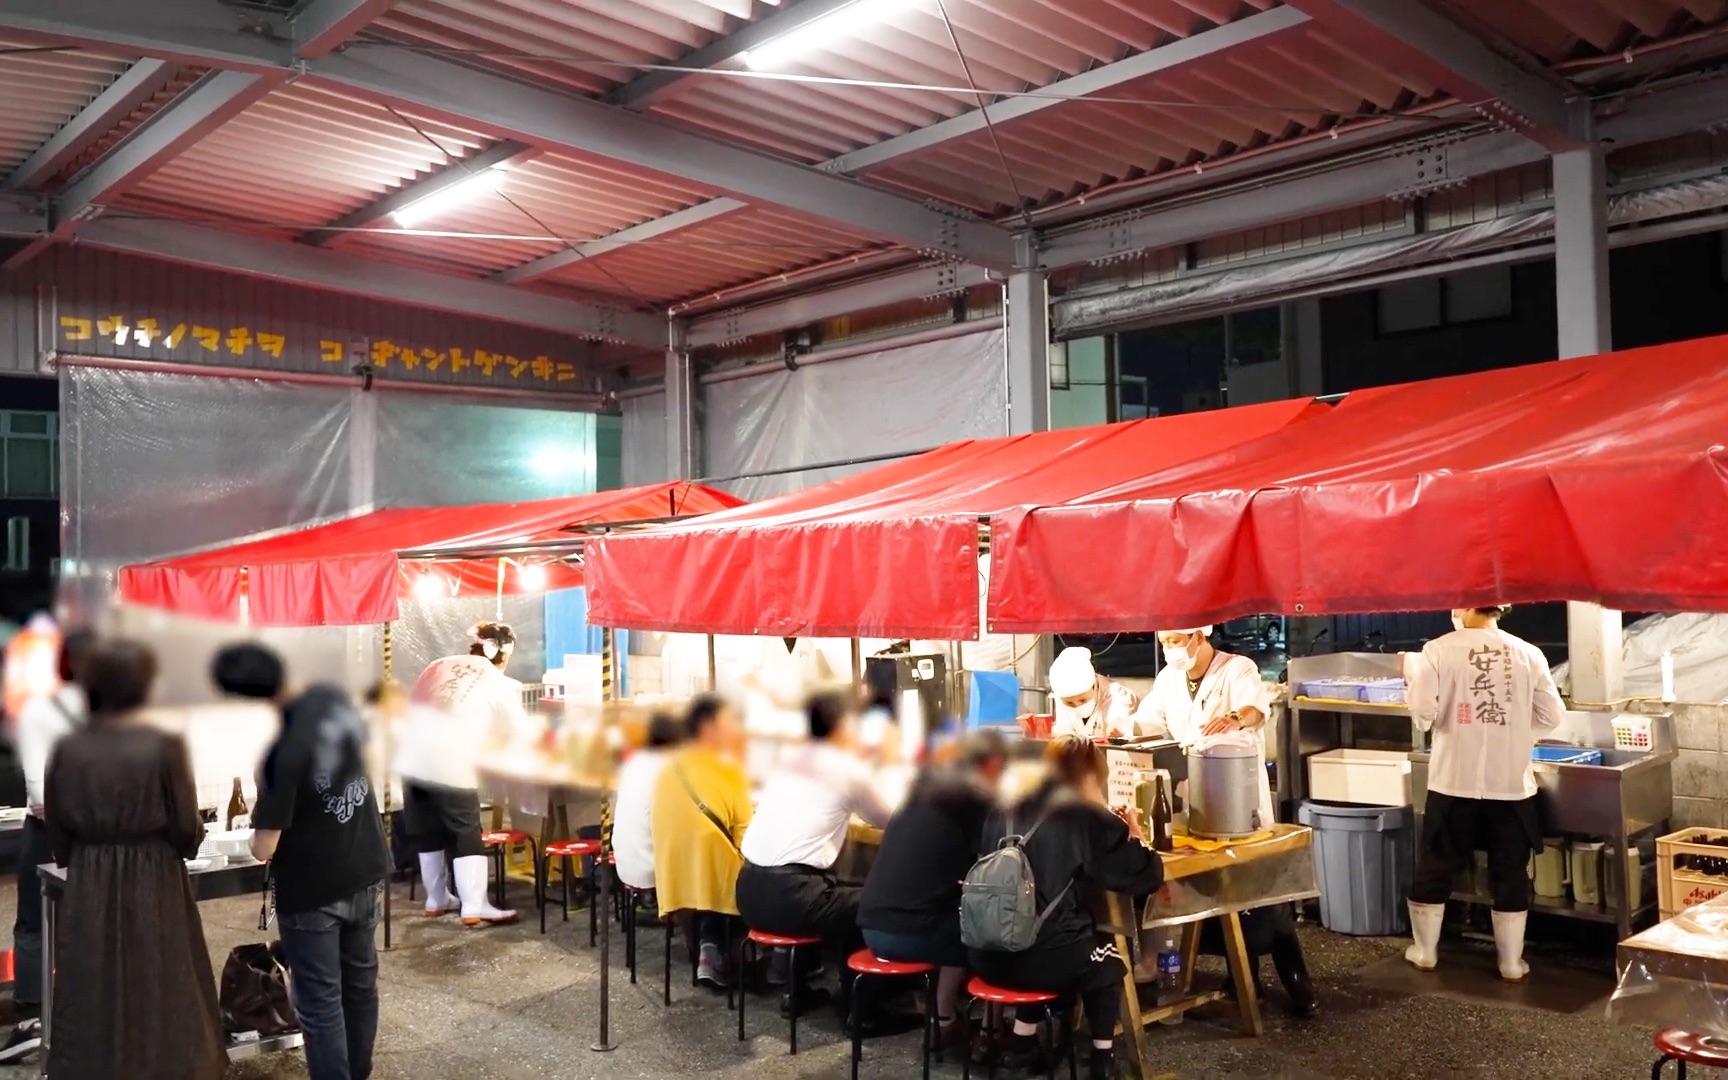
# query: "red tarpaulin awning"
{"type": "Point", "coordinates": [347, 572]}
{"type": "Point", "coordinates": [1603, 479]}
{"type": "Point", "coordinates": [892, 552]}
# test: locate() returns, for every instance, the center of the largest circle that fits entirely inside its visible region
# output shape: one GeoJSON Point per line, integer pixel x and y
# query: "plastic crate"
{"type": "Point", "coordinates": [1566, 755]}
{"type": "Point", "coordinates": [1680, 886]}
{"type": "Point", "coordinates": [1337, 689]}
{"type": "Point", "coordinates": [1363, 777]}
{"type": "Point", "coordinates": [1632, 732]}
{"type": "Point", "coordinates": [1386, 692]}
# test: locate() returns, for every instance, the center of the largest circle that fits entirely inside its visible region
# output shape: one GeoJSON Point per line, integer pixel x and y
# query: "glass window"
{"type": "Point", "coordinates": [29, 468]}
{"type": "Point", "coordinates": [28, 423]}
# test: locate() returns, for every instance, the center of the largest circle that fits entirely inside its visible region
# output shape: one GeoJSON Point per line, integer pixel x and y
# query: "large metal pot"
{"type": "Point", "coordinates": [1224, 792]}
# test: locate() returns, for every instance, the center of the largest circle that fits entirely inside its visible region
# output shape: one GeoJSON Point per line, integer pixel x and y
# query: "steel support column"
{"type": "Point", "coordinates": [682, 460]}
{"type": "Point", "coordinates": [1593, 633]}
{"type": "Point", "coordinates": [1028, 352]}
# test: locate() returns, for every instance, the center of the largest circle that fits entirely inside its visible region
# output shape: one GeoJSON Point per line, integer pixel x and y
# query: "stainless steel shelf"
{"type": "Point", "coordinates": [1355, 708]}
{"type": "Point", "coordinates": [1545, 905]}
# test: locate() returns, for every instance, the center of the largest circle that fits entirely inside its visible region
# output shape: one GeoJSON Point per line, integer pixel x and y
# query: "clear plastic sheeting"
{"type": "Point", "coordinates": [437, 450]}
{"type": "Point", "coordinates": [1288, 279]}
{"type": "Point", "coordinates": [1675, 974]}
{"type": "Point", "coordinates": [432, 629]}
{"type": "Point", "coordinates": [645, 440]}
{"type": "Point", "coordinates": [155, 464]}
{"type": "Point", "coordinates": [894, 401]}
{"type": "Point", "coordinates": [1281, 873]}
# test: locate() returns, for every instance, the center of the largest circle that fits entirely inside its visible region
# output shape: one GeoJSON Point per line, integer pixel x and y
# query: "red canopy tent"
{"type": "Point", "coordinates": [890, 552]}
{"type": "Point", "coordinates": [1603, 479]}
{"type": "Point", "coordinates": [349, 572]}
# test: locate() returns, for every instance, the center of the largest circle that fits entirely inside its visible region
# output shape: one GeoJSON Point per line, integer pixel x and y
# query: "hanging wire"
{"type": "Point", "coordinates": [984, 111]}
{"type": "Point", "coordinates": [551, 234]}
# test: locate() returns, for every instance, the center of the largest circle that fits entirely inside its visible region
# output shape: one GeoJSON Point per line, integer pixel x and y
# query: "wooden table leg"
{"type": "Point", "coordinates": [1190, 953]}
{"type": "Point", "coordinates": [1242, 972]}
{"type": "Point", "coordinates": [1121, 911]}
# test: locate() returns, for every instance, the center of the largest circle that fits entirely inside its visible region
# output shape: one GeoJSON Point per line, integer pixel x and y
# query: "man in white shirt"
{"type": "Point", "coordinates": [1088, 704]}
{"type": "Point", "coordinates": [632, 808]}
{"type": "Point", "coordinates": [1486, 696]}
{"type": "Point", "coordinates": [42, 722]}
{"type": "Point", "coordinates": [787, 885]}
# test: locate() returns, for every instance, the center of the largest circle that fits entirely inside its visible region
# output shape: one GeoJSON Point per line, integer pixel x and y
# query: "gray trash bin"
{"type": "Point", "coordinates": [1365, 857]}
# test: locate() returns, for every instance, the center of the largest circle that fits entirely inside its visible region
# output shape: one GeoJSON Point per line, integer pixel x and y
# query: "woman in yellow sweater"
{"type": "Point", "coordinates": [701, 808]}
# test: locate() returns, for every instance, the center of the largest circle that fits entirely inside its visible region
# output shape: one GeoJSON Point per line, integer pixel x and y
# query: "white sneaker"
{"type": "Point", "coordinates": [24, 1040]}
{"type": "Point", "coordinates": [477, 910]}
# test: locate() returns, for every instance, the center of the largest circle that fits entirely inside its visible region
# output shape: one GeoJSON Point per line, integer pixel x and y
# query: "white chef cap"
{"type": "Point", "coordinates": [1206, 630]}
{"type": "Point", "coordinates": [1072, 673]}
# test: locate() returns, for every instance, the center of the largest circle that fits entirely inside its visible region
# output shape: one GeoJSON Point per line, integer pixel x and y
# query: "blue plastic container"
{"type": "Point", "coordinates": [1566, 755]}
{"type": "Point", "coordinates": [1332, 689]}
{"type": "Point", "coordinates": [1365, 858]}
{"type": "Point", "coordinates": [993, 697]}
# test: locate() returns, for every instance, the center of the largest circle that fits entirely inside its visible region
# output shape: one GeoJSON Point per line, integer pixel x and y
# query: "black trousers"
{"type": "Point", "coordinates": [799, 901]}
{"type": "Point", "coordinates": [1454, 829]}
{"type": "Point", "coordinates": [1091, 971]}
{"type": "Point", "coordinates": [441, 819]}
{"type": "Point", "coordinates": [27, 926]}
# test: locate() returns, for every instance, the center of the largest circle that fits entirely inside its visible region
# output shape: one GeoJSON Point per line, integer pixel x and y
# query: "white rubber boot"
{"type": "Point", "coordinates": [434, 873]}
{"type": "Point", "coordinates": [471, 874]}
{"type": "Point", "coordinates": [1425, 922]}
{"type": "Point", "coordinates": [1509, 943]}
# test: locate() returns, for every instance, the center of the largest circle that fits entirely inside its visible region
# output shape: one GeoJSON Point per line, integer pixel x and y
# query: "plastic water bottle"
{"type": "Point", "coordinates": [1169, 974]}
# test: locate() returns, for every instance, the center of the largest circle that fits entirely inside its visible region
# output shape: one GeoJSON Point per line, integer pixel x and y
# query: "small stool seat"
{"type": "Point", "coordinates": [780, 941]}
{"type": "Point", "coordinates": [1683, 1047]}
{"type": "Point", "coordinates": [572, 849]}
{"type": "Point", "coordinates": [997, 995]}
{"type": "Point", "coordinates": [504, 836]}
{"type": "Point", "coordinates": [865, 962]}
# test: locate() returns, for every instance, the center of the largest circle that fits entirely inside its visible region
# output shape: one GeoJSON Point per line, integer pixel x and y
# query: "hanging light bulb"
{"type": "Point", "coordinates": [532, 578]}
{"type": "Point", "coordinates": [429, 587]}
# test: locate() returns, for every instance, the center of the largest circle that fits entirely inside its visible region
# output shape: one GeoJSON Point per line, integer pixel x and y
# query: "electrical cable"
{"type": "Point", "coordinates": [984, 111]}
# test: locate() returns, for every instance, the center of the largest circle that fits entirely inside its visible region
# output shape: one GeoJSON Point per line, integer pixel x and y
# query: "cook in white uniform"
{"type": "Point", "coordinates": [1088, 704]}
{"type": "Point", "coordinates": [461, 707]}
{"type": "Point", "coordinates": [1486, 696]}
{"type": "Point", "coordinates": [1205, 698]}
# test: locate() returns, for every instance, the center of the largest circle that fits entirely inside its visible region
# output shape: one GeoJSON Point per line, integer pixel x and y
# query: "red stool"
{"type": "Point", "coordinates": [978, 990]}
{"type": "Point", "coordinates": [565, 850]}
{"type": "Point", "coordinates": [1681, 1047]}
{"type": "Point", "coordinates": [865, 963]}
{"type": "Point", "coordinates": [498, 843]}
{"type": "Point", "coordinates": [747, 953]}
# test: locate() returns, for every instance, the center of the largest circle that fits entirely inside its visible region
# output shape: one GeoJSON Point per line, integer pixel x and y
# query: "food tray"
{"type": "Point", "coordinates": [1386, 692]}
{"type": "Point", "coordinates": [1566, 755]}
{"type": "Point", "coordinates": [1335, 689]}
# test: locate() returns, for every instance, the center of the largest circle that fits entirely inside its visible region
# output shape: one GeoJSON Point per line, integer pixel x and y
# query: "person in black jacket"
{"type": "Point", "coordinates": [910, 910]}
{"type": "Point", "coordinates": [1080, 842]}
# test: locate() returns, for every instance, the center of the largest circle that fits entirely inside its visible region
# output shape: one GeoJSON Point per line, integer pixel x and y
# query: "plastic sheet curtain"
{"type": "Point", "coordinates": [911, 398]}
{"type": "Point", "coordinates": [644, 441]}
{"type": "Point", "coordinates": [155, 464]}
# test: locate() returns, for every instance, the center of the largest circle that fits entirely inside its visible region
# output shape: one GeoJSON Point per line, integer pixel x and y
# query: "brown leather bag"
{"type": "Point", "coordinates": [254, 993]}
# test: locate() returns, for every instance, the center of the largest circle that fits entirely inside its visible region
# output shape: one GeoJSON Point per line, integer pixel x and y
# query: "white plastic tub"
{"type": "Point", "coordinates": [1368, 777]}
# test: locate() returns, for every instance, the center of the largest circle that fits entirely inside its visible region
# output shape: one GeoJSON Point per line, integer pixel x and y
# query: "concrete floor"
{"type": "Point", "coordinates": [509, 1004]}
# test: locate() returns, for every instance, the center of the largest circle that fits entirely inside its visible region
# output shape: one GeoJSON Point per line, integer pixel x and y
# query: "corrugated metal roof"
{"type": "Point", "coordinates": [1557, 30]}
{"type": "Point", "coordinates": [42, 89]}
{"type": "Point", "coordinates": [725, 251]}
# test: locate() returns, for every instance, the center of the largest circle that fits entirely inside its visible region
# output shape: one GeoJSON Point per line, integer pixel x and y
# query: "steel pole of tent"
{"type": "Point", "coordinates": [389, 755]}
{"type": "Point", "coordinates": [713, 668]}
{"type": "Point", "coordinates": [602, 865]}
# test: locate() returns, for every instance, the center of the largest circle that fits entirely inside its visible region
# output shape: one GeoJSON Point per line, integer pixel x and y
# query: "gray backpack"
{"type": "Point", "coordinates": [999, 898]}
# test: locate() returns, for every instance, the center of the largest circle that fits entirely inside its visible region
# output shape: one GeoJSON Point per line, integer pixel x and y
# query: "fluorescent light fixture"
{"type": "Point", "coordinates": [532, 578]}
{"type": "Point", "coordinates": [831, 29]}
{"type": "Point", "coordinates": [466, 190]}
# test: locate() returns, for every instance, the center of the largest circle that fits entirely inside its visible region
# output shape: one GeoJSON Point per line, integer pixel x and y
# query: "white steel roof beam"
{"type": "Point", "coordinates": [1164, 58]}
{"type": "Point", "coordinates": [513, 110]}
{"type": "Point", "coordinates": [1405, 35]}
{"type": "Point", "coordinates": [120, 99]}
{"type": "Point", "coordinates": [323, 26]}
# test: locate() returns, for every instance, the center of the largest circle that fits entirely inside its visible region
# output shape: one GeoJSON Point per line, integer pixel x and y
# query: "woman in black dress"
{"type": "Point", "coordinates": [134, 995]}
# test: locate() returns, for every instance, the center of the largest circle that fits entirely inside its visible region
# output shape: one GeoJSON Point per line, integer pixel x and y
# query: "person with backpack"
{"type": "Point", "coordinates": [1074, 848]}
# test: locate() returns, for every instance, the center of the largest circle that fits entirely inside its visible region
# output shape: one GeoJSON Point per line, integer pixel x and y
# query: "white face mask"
{"type": "Point", "coordinates": [1085, 711]}
{"type": "Point", "coordinates": [1179, 658]}
{"type": "Point", "coordinates": [1457, 621]}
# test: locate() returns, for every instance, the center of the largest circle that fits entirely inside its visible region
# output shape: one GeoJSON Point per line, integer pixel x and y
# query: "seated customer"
{"type": "Point", "coordinates": [910, 909]}
{"type": "Point", "coordinates": [700, 808]}
{"type": "Point", "coordinates": [633, 806]}
{"type": "Point", "coordinates": [1074, 843]}
{"type": "Point", "coordinates": [787, 885]}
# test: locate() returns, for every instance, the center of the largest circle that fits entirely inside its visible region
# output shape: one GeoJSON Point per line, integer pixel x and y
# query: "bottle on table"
{"type": "Point", "coordinates": [1169, 973]}
{"type": "Point", "coordinates": [1161, 820]}
{"type": "Point", "coordinates": [236, 807]}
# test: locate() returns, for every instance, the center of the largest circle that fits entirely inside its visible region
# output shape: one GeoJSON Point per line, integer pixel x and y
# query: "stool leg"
{"type": "Point", "coordinates": [542, 870]}
{"type": "Point", "coordinates": [564, 886]}
{"type": "Point", "coordinates": [745, 957]}
{"type": "Point", "coordinates": [1680, 1068]}
{"type": "Point", "coordinates": [732, 982]}
{"type": "Point", "coordinates": [630, 937]}
{"type": "Point", "coordinates": [668, 968]}
{"type": "Point", "coordinates": [792, 992]}
{"type": "Point", "coordinates": [1656, 1069]}
{"type": "Point", "coordinates": [966, 1040]}
{"type": "Point", "coordinates": [993, 1030]}
{"type": "Point", "coordinates": [857, 1033]}
{"type": "Point", "coordinates": [929, 1018]}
